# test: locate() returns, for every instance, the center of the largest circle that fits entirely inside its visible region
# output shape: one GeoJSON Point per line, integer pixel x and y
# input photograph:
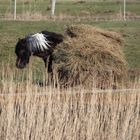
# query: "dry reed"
{"type": "Point", "coordinates": [30, 112]}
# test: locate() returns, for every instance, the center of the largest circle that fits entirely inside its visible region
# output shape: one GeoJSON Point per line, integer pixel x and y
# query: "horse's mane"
{"type": "Point", "coordinates": [38, 41]}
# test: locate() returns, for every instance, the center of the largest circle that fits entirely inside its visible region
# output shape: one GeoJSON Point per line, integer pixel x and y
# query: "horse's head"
{"type": "Point", "coordinates": [40, 44]}
{"type": "Point", "coordinates": [23, 53]}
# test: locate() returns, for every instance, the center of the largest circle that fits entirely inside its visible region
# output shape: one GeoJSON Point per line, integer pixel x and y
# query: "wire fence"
{"type": "Point", "coordinates": [75, 9]}
{"type": "Point", "coordinates": [70, 92]}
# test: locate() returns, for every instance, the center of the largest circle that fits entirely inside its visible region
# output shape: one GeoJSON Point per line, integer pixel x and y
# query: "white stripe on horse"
{"type": "Point", "coordinates": [38, 41]}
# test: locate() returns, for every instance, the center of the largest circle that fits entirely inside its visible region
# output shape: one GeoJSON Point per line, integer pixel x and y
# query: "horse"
{"type": "Point", "coordinates": [41, 44]}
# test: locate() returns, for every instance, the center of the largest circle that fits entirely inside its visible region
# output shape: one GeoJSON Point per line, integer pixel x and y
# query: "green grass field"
{"type": "Point", "coordinates": [10, 31]}
{"type": "Point", "coordinates": [71, 8]}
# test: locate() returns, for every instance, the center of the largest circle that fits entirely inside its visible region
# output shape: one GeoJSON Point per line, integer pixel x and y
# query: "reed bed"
{"type": "Point", "coordinates": [29, 111]}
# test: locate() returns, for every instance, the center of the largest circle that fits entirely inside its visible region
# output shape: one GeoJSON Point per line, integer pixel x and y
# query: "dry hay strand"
{"type": "Point", "coordinates": [90, 56]}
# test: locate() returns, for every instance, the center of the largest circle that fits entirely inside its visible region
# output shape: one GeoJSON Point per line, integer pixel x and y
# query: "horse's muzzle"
{"type": "Point", "coordinates": [20, 65]}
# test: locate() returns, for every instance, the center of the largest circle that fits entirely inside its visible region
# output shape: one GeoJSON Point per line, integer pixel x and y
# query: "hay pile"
{"type": "Point", "coordinates": [90, 56]}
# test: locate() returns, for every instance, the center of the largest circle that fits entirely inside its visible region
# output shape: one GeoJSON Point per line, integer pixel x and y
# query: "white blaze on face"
{"type": "Point", "coordinates": [39, 42]}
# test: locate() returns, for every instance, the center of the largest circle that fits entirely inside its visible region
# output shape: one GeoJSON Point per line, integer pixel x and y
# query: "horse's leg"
{"type": "Point", "coordinates": [46, 62]}
{"type": "Point", "coordinates": [50, 71]}
{"type": "Point", "coordinates": [48, 65]}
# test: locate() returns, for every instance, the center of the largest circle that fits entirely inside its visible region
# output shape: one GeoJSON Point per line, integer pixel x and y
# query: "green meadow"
{"type": "Point", "coordinates": [71, 7]}
{"type": "Point", "coordinates": [10, 31]}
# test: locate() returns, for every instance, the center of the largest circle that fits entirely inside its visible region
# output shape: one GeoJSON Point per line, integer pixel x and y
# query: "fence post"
{"type": "Point", "coordinates": [53, 8]}
{"type": "Point", "coordinates": [124, 10]}
{"type": "Point", "coordinates": [15, 9]}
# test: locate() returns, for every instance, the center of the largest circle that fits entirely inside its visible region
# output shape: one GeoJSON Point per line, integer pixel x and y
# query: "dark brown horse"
{"type": "Point", "coordinates": [39, 44]}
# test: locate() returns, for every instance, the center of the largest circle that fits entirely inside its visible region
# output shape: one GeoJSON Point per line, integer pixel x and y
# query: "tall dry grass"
{"type": "Point", "coordinates": [31, 112]}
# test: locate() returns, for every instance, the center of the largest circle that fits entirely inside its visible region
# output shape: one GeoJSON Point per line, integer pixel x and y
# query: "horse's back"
{"type": "Point", "coordinates": [55, 38]}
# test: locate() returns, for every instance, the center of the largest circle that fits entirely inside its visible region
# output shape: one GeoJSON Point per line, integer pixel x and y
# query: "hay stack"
{"type": "Point", "coordinates": [90, 56]}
